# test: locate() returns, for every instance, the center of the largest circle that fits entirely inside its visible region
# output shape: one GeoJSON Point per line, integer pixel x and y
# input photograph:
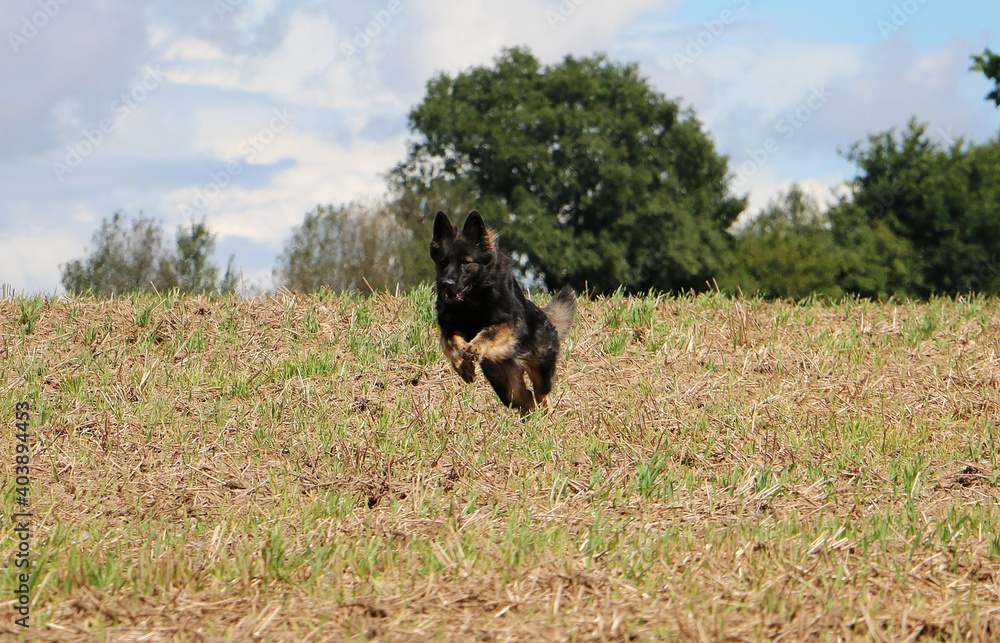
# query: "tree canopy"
{"type": "Point", "coordinates": [588, 175]}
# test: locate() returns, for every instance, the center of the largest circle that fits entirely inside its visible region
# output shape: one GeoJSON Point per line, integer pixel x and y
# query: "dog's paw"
{"type": "Point", "coordinates": [467, 369]}
{"type": "Point", "coordinates": [469, 353]}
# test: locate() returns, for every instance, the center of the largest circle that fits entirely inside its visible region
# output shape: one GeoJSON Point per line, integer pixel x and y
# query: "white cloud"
{"type": "Point", "coordinates": [458, 36]}
{"type": "Point", "coordinates": [254, 12]}
{"type": "Point", "coordinates": [85, 214]}
{"type": "Point", "coordinates": [322, 173]}
{"type": "Point", "coordinates": [193, 50]}
{"type": "Point", "coordinates": [779, 76]}
{"type": "Point", "coordinates": [71, 64]}
{"type": "Point", "coordinates": [308, 68]}
{"type": "Point", "coordinates": [896, 84]}
{"type": "Point", "coordinates": [31, 261]}
{"type": "Point", "coordinates": [754, 78]}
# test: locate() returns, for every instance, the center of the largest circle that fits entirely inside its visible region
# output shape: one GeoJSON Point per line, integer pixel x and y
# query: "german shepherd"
{"type": "Point", "coordinates": [485, 317]}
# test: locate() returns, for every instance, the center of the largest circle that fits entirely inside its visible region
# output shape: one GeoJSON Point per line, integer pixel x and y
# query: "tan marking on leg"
{"type": "Point", "coordinates": [495, 343]}
{"type": "Point", "coordinates": [453, 348]}
{"type": "Point", "coordinates": [533, 375]}
{"type": "Point", "coordinates": [520, 395]}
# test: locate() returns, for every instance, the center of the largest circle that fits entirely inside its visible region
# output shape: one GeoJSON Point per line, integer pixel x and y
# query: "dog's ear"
{"type": "Point", "coordinates": [442, 227]}
{"type": "Point", "coordinates": [476, 230]}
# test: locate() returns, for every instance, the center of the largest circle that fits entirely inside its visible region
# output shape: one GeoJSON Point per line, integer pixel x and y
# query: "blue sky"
{"type": "Point", "coordinates": [249, 113]}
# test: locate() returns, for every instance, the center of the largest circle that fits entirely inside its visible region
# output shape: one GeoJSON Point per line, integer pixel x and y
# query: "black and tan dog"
{"type": "Point", "coordinates": [485, 317]}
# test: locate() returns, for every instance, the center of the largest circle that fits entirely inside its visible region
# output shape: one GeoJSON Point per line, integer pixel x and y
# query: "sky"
{"type": "Point", "coordinates": [250, 113]}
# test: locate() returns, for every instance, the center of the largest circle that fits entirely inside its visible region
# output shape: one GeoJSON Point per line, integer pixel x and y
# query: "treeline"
{"type": "Point", "coordinates": [130, 255]}
{"type": "Point", "coordinates": [594, 180]}
{"type": "Point", "coordinates": [920, 219]}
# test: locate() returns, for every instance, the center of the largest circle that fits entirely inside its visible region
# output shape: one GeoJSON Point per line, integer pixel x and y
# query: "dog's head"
{"type": "Point", "coordinates": [462, 258]}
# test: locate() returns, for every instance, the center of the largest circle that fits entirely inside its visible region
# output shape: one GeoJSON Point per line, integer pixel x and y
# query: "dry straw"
{"type": "Point", "coordinates": [308, 468]}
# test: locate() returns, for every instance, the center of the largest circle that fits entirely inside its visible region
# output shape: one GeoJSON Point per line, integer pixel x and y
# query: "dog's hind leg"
{"type": "Point", "coordinates": [542, 374]}
{"type": "Point", "coordinates": [507, 380]}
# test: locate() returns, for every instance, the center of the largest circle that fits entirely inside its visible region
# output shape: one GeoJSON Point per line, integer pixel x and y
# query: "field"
{"type": "Point", "coordinates": [308, 468]}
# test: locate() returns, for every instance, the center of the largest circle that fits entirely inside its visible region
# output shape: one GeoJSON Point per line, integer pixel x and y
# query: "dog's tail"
{"type": "Point", "coordinates": [561, 311]}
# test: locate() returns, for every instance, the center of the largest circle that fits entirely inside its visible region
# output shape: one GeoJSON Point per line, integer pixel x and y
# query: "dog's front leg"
{"type": "Point", "coordinates": [494, 343]}
{"type": "Point", "coordinates": [454, 347]}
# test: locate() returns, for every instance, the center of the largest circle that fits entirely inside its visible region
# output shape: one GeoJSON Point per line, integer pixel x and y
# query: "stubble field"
{"type": "Point", "coordinates": [308, 468]}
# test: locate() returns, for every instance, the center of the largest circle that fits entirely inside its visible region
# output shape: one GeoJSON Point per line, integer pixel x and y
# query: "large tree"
{"type": "Point", "coordinates": [588, 174]}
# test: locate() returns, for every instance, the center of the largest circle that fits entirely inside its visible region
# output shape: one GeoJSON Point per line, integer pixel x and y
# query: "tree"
{"type": "Point", "coordinates": [989, 63]}
{"type": "Point", "coordinates": [588, 174]}
{"type": "Point", "coordinates": [195, 246]}
{"type": "Point", "coordinates": [787, 251]}
{"type": "Point", "coordinates": [874, 261]}
{"type": "Point", "coordinates": [130, 256]}
{"type": "Point", "coordinates": [351, 247]}
{"type": "Point", "coordinates": [413, 211]}
{"type": "Point", "coordinates": [923, 215]}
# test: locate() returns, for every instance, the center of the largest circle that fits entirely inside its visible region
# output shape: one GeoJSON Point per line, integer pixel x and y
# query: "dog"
{"type": "Point", "coordinates": [486, 319]}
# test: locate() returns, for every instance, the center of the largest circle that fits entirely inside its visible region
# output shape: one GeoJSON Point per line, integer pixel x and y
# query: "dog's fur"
{"type": "Point", "coordinates": [485, 317]}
